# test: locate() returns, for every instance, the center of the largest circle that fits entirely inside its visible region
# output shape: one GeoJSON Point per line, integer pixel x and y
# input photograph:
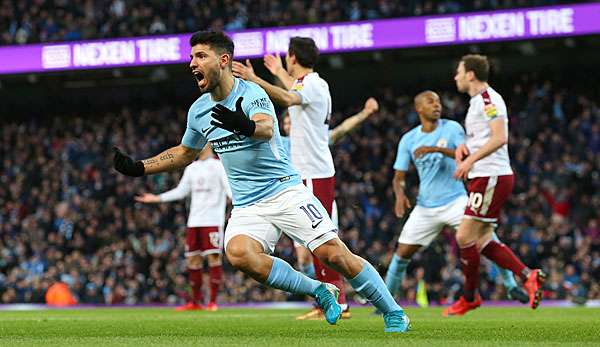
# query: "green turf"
{"type": "Point", "coordinates": [247, 327]}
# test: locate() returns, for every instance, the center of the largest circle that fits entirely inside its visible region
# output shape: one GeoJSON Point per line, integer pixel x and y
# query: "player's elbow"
{"type": "Point", "coordinates": [264, 133]}
{"type": "Point", "coordinates": [188, 155]}
{"type": "Point", "coordinates": [264, 127]}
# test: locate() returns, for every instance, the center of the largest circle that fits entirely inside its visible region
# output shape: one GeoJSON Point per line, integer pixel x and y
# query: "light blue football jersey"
{"type": "Point", "coordinates": [437, 187]}
{"type": "Point", "coordinates": [256, 169]}
{"type": "Point", "coordinates": [287, 145]}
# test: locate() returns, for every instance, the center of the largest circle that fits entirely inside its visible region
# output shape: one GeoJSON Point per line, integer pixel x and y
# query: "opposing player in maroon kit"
{"type": "Point", "coordinates": [206, 182]}
{"type": "Point", "coordinates": [307, 97]}
{"type": "Point", "coordinates": [483, 159]}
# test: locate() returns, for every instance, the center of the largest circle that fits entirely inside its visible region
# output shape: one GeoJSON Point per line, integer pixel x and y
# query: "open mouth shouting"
{"type": "Point", "coordinates": [200, 79]}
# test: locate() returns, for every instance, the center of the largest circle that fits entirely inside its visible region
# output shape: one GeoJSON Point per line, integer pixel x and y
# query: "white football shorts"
{"type": "Point", "coordinates": [424, 224]}
{"type": "Point", "coordinates": [294, 211]}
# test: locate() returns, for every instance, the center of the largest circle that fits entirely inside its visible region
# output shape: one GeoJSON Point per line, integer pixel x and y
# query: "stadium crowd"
{"type": "Point", "coordinates": [35, 21]}
{"type": "Point", "coordinates": [65, 215]}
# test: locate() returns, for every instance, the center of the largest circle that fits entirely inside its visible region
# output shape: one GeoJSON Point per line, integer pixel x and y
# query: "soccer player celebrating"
{"type": "Point", "coordinates": [442, 199]}
{"type": "Point", "coordinates": [205, 180]}
{"type": "Point", "coordinates": [238, 119]}
{"type": "Point", "coordinates": [307, 97]}
{"type": "Point", "coordinates": [483, 159]}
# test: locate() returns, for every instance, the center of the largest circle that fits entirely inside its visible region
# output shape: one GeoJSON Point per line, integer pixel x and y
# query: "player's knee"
{"type": "Point", "coordinates": [406, 251]}
{"type": "Point", "coordinates": [237, 255]}
{"type": "Point", "coordinates": [214, 259]}
{"type": "Point", "coordinates": [194, 262]}
{"type": "Point", "coordinates": [336, 258]}
{"type": "Point", "coordinates": [463, 239]}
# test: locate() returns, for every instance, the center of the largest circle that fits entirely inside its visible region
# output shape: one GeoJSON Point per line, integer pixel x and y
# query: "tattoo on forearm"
{"type": "Point", "coordinates": [167, 156]}
{"type": "Point", "coordinates": [150, 161]}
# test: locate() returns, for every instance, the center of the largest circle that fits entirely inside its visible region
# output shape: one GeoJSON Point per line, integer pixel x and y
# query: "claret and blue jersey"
{"type": "Point", "coordinates": [437, 186]}
{"type": "Point", "coordinates": [256, 168]}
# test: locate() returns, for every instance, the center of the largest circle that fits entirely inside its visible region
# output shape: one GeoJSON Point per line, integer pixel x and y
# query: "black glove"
{"type": "Point", "coordinates": [125, 165]}
{"type": "Point", "coordinates": [235, 121]}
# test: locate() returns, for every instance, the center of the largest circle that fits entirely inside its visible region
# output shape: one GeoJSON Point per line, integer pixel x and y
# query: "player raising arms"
{"type": "Point", "coordinates": [239, 120]}
{"type": "Point", "coordinates": [307, 97]}
{"type": "Point", "coordinates": [205, 180]}
{"type": "Point", "coordinates": [442, 199]}
{"type": "Point", "coordinates": [483, 159]}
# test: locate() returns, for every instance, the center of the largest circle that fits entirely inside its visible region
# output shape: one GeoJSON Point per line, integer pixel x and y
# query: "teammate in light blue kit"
{"type": "Point", "coordinates": [238, 119]}
{"type": "Point", "coordinates": [442, 199]}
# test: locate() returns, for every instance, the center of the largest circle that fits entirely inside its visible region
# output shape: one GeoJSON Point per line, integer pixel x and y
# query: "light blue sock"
{"type": "Point", "coordinates": [284, 277]}
{"type": "Point", "coordinates": [309, 270]}
{"type": "Point", "coordinates": [508, 278]}
{"type": "Point", "coordinates": [395, 274]}
{"type": "Point", "coordinates": [370, 285]}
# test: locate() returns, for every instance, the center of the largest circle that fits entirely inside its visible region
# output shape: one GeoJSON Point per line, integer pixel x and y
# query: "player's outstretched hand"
{"type": "Point", "coordinates": [127, 166]}
{"type": "Point", "coordinates": [462, 170]}
{"type": "Point", "coordinates": [273, 63]}
{"type": "Point", "coordinates": [460, 153]}
{"type": "Point", "coordinates": [402, 204]}
{"type": "Point", "coordinates": [147, 198]}
{"type": "Point", "coordinates": [371, 106]}
{"type": "Point", "coordinates": [235, 121]}
{"type": "Point", "coordinates": [242, 71]}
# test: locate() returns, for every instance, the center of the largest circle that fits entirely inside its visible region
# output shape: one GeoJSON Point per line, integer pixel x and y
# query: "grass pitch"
{"type": "Point", "coordinates": [259, 327]}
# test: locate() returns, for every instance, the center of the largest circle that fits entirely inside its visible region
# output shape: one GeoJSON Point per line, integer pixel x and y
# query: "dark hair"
{"type": "Point", "coordinates": [478, 64]}
{"type": "Point", "coordinates": [217, 40]}
{"type": "Point", "coordinates": [305, 50]}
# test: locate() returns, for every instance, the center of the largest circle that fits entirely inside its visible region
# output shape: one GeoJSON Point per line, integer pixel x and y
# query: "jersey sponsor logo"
{"type": "Point", "coordinates": [284, 179]}
{"type": "Point", "coordinates": [226, 143]}
{"type": "Point", "coordinates": [261, 103]}
{"type": "Point", "coordinates": [314, 225]}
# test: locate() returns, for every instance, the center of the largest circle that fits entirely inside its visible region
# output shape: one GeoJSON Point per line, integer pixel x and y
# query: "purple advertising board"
{"type": "Point", "coordinates": [517, 24]}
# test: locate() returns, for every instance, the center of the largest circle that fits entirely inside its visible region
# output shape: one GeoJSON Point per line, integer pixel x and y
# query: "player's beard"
{"type": "Point", "coordinates": [213, 77]}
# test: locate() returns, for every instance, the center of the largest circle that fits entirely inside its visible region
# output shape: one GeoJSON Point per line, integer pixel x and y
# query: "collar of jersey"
{"type": "Point", "coordinates": [236, 84]}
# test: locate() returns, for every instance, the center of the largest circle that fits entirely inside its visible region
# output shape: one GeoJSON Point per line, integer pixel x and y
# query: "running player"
{"type": "Point", "coordinates": [483, 159]}
{"type": "Point", "coordinates": [206, 182]}
{"type": "Point", "coordinates": [307, 97]}
{"type": "Point", "coordinates": [238, 119]}
{"type": "Point", "coordinates": [442, 199]}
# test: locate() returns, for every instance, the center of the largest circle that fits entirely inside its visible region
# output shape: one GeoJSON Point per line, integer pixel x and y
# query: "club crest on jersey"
{"type": "Point", "coordinates": [443, 143]}
{"type": "Point", "coordinates": [490, 110]}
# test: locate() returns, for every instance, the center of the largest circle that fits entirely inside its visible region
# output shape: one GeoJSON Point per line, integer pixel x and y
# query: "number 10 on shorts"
{"type": "Point", "coordinates": [313, 214]}
{"type": "Point", "coordinates": [475, 201]}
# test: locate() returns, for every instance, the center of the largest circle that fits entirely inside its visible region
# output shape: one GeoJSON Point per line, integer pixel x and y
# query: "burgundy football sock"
{"type": "Point", "coordinates": [505, 258]}
{"type": "Point", "coordinates": [216, 277]}
{"type": "Point", "coordinates": [470, 259]}
{"type": "Point", "coordinates": [195, 278]}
